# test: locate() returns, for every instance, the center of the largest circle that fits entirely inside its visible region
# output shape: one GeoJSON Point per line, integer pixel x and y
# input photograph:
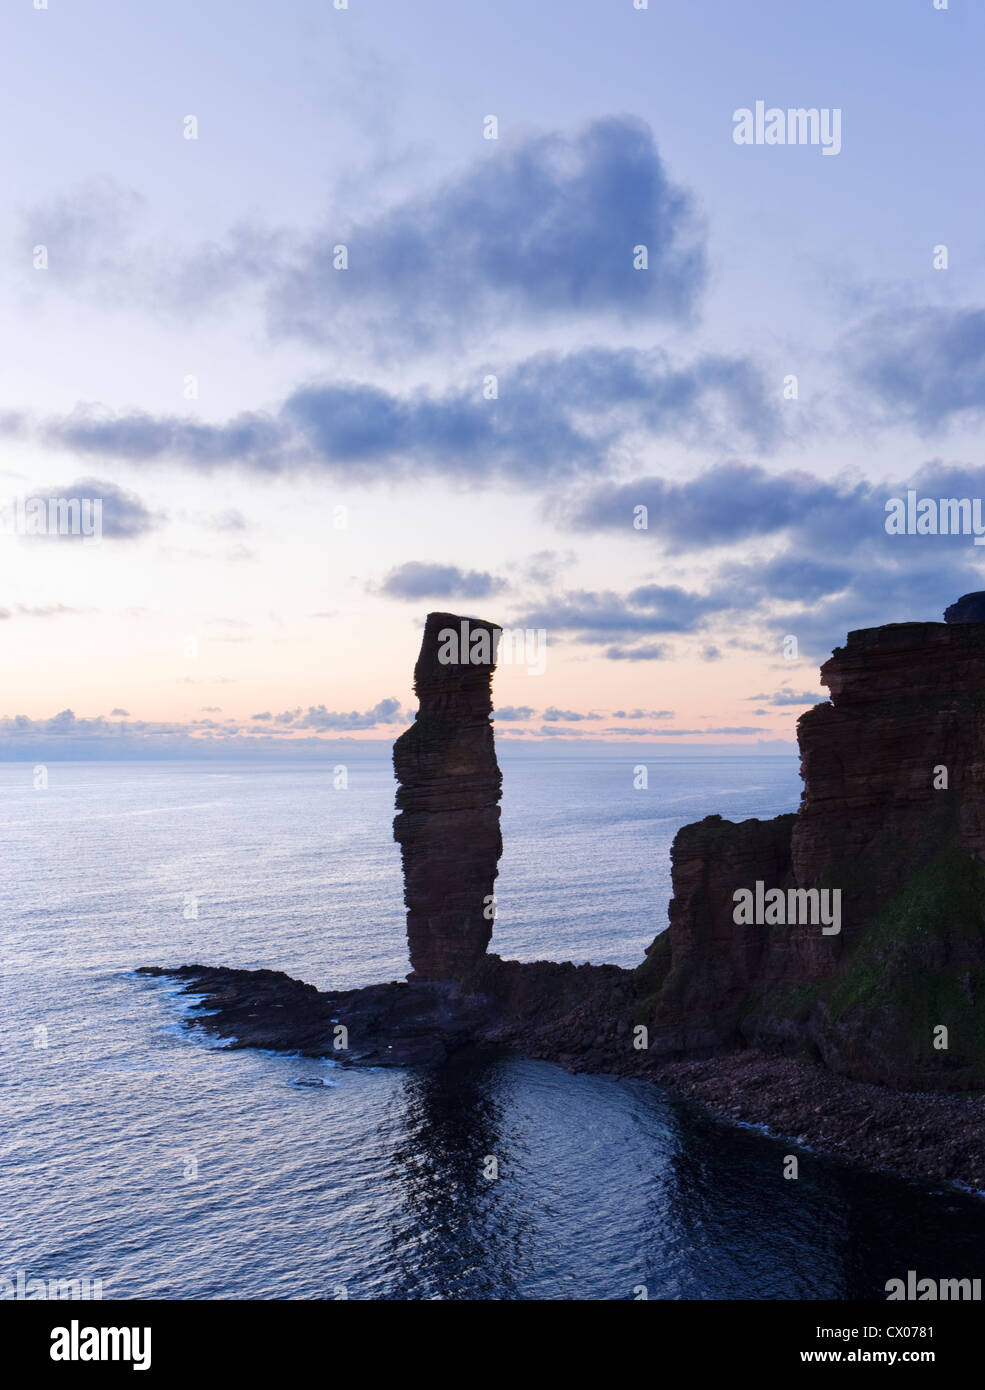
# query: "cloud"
{"type": "Point", "coordinates": [646, 651]}
{"type": "Point", "coordinates": [643, 714]}
{"type": "Point", "coordinates": [925, 366]}
{"type": "Point", "coordinates": [65, 731]}
{"type": "Point", "coordinates": [790, 697]}
{"type": "Point", "coordinates": [232, 519]}
{"type": "Point", "coordinates": [540, 229]}
{"type": "Point", "coordinates": [322, 719]}
{"type": "Point", "coordinates": [725, 504]}
{"type": "Point", "coordinates": [558, 416]}
{"type": "Point", "coordinates": [735, 501]}
{"type": "Point", "coordinates": [415, 580]}
{"type": "Point", "coordinates": [84, 230]}
{"type": "Point", "coordinates": [544, 567]}
{"type": "Point", "coordinates": [123, 713]}
{"type": "Point", "coordinates": [65, 735]}
{"type": "Point", "coordinates": [794, 577]}
{"type": "Point", "coordinates": [249, 438]}
{"type": "Point", "coordinates": [831, 567]}
{"type": "Point", "coordinates": [607, 616]}
{"type": "Point", "coordinates": [50, 610]}
{"type": "Point", "coordinates": [123, 515]}
{"type": "Point", "coordinates": [554, 715]}
{"type": "Point", "coordinates": [95, 246]}
{"type": "Point", "coordinates": [741, 729]}
{"type": "Point", "coordinates": [688, 733]}
{"type": "Point", "coordinates": [662, 733]}
{"type": "Point", "coordinates": [509, 713]}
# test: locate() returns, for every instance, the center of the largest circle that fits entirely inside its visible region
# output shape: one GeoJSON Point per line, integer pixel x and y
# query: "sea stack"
{"type": "Point", "coordinates": [448, 795]}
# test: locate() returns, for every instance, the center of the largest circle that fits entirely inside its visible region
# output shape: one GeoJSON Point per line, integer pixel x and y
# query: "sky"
{"type": "Point", "coordinates": [342, 315]}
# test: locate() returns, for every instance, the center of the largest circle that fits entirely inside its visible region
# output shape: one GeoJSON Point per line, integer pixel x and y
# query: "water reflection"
{"type": "Point", "coordinates": [606, 1187]}
{"type": "Point", "coordinates": [460, 1231]}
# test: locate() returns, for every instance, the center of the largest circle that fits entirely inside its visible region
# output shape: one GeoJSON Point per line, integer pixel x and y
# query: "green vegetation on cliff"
{"type": "Point", "coordinates": [918, 965]}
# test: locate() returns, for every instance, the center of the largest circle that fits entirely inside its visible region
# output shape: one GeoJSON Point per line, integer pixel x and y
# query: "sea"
{"type": "Point", "coordinates": [138, 1152]}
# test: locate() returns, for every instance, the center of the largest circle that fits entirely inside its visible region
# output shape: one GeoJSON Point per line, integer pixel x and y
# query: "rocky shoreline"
{"type": "Point", "coordinates": [925, 1136]}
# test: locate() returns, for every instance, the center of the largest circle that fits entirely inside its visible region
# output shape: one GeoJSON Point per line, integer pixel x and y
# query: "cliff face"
{"type": "Point", "coordinates": [448, 800]}
{"type": "Point", "coordinates": [893, 817]}
{"type": "Point", "coordinates": [906, 700]}
{"type": "Point", "coordinates": [711, 962]}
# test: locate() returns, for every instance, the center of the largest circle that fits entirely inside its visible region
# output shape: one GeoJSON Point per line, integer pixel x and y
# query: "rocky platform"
{"type": "Point", "coordinates": [928, 1136]}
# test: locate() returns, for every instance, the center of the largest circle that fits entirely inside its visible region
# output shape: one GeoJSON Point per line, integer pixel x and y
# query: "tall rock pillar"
{"type": "Point", "coordinates": [447, 824]}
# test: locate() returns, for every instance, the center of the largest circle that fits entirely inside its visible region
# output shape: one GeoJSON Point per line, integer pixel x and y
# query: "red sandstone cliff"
{"type": "Point", "coordinates": [893, 816]}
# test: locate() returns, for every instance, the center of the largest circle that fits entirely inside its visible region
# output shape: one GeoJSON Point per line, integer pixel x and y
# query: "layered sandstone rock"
{"type": "Point", "coordinates": [970, 608]}
{"type": "Point", "coordinates": [905, 717]}
{"type": "Point", "coordinates": [448, 800]}
{"type": "Point", "coordinates": [711, 962]}
{"type": "Point", "coordinates": [893, 817]}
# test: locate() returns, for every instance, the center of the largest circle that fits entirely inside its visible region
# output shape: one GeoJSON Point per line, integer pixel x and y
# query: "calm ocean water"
{"type": "Point", "coordinates": [137, 1152]}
